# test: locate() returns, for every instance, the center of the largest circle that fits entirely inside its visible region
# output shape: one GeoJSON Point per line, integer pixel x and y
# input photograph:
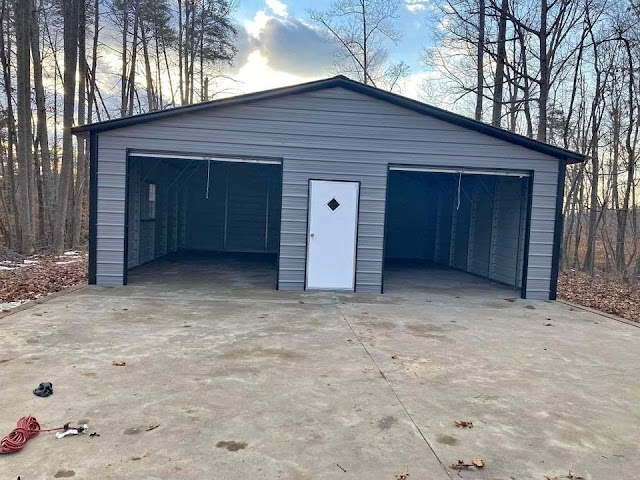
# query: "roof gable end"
{"type": "Point", "coordinates": [346, 83]}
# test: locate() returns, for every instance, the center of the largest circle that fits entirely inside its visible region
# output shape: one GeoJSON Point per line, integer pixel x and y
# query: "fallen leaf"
{"type": "Point", "coordinates": [475, 462]}
{"type": "Point", "coordinates": [152, 427]}
{"type": "Point", "coordinates": [119, 364]}
{"type": "Point", "coordinates": [403, 475]}
{"type": "Point", "coordinates": [464, 424]}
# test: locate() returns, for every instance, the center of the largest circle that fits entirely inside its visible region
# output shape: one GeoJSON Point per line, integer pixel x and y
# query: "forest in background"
{"type": "Point", "coordinates": [564, 72]}
{"type": "Point", "coordinates": [52, 54]}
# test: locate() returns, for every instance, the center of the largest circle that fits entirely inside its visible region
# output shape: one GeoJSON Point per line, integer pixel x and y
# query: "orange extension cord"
{"type": "Point", "coordinates": [28, 427]}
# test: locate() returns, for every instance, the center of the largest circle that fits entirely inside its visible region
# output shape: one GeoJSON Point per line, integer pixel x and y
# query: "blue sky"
{"type": "Point", "coordinates": [279, 45]}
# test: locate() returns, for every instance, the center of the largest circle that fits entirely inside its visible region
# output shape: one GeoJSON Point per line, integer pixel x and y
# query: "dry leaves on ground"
{"type": "Point", "coordinates": [403, 476]}
{"type": "Point", "coordinates": [572, 476]}
{"type": "Point", "coordinates": [464, 424]}
{"type": "Point", "coordinates": [40, 276]}
{"type": "Point", "coordinates": [600, 292]}
{"type": "Point", "coordinates": [475, 462]}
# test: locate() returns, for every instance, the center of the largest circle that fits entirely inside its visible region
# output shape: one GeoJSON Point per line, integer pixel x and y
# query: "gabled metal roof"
{"type": "Point", "coordinates": [343, 82]}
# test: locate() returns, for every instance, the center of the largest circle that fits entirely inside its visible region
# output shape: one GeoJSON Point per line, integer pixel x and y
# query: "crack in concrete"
{"type": "Point", "coordinates": [406, 411]}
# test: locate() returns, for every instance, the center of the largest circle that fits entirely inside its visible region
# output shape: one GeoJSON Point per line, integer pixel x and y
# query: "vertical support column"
{"type": "Point", "coordinates": [558, 230]}
{"type": "Point", "coordinates": [93, 206]}
{"type": "Point", "coordinates": [436, 253]}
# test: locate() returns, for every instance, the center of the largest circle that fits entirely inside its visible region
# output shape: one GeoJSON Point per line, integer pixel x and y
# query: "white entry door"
{"type": "Point", "coordinates": [331, 239]}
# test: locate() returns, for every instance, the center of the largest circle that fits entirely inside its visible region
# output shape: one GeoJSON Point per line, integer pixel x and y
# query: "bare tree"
{"type": "Point", "coordinates": [22, 12]}
{"type": "Point", "coordinates": [362, 29]}
{"type": "Point", "coordinates": [70, 64]}
{"type": "Point", "coordinates": [41, 124]}
{"type": "Point", "coordinates": [501, 57]}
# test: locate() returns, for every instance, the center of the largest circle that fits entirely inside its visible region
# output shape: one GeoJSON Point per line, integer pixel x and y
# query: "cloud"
{"type": "Point", "coordinates": [293, 46]}
{"type": "Point", "coordinates": [277, 7]}
{"type": "Point", "coordinates": [417, 5]}
{"type": "Point", "coordinates": [255, 26]}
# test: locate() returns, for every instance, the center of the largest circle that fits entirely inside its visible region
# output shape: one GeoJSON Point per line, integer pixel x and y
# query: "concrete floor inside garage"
{"type": "Point", "coordinates": [248, 382]}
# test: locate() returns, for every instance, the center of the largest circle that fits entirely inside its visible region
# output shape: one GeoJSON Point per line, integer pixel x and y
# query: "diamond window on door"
{"type": "Point", "coordinates": [333, 204]}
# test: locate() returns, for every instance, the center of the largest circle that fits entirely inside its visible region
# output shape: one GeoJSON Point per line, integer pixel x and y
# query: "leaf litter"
{"type": "Point", "coordinates": [464, 424]}
{"type": "Point", "coordinates": [461, 464]}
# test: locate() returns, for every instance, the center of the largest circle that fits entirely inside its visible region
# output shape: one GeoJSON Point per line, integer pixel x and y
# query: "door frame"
{"type": "Point", "coordinates": [306, 239]}
{"type": "Point", "coordinates": [498, 171]}
{"type": "Point", "coordinates": [198, 156]}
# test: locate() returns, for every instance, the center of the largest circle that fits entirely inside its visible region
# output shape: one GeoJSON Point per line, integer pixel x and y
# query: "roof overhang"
{"type": "Point", "coordinates": [341, 81]}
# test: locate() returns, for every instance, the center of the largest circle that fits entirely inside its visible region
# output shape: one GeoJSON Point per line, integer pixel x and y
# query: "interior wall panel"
{"type": "Point", "coordinates": [507, 230]}
{"type": "Point", "coordinates": [480, 225]}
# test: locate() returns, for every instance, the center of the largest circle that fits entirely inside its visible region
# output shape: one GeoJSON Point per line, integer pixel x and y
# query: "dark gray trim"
{"type": "Point", "coordinates": [93, 206]}
{"type": "Point", "coordinates": [385, 227]}
{"type": "Point", "coordinates": [280, 226]}
{"type": "Point", "coordinates": [558, 230]}
{"type": "Point", "coordinates": [343, 82]}
{"type": "Point", "coordinates": [527, 237]}
{"type": "Point", "coordinates": [125, 263]}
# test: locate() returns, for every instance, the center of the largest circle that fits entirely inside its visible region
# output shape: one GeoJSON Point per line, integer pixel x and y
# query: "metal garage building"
{"type": "Point", "coordinates": [333, 179]}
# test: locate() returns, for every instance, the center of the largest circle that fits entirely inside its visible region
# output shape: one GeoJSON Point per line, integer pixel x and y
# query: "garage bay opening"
{"type": "Point", "coordinates": [456, 231]}
{"type": "Point", "coordinates": [208, 221]}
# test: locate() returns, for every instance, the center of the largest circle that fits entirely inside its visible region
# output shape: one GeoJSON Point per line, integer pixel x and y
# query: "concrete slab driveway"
{"type": "Point", "coordinates": [250, 383]}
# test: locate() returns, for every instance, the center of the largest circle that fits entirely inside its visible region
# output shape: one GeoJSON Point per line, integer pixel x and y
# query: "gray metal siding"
{"type": "Point", "coordinates": [333, 134]}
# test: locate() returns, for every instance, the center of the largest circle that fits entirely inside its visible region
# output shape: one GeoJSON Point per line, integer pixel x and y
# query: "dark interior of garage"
{"type": "Point", "coordinates": [211, 216]}
{"type": "Point", "coordinates": [448, 228]}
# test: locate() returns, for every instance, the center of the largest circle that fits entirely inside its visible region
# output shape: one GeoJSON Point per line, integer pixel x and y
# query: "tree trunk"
{"type": "Point", "coordinates": [496, 116]}
{"type": "Point", "coordinates": [70, 64]}
{"type": "Point", "coordinates": [621, 264]}
{"type": "Point", "coordinates": [544, 73]}
{"type": "Point", "coordinates": [123, 73]}
{"type": "Point", "coordinates": [23, 15]}
{"type": "Point", "coordinates": [42, 129]}
{"type": "Point", "coordinates": [480, 60]}
{"type": "Point", "coordinates": [81, 159]}
{"type": "Point", "coordinates": [151, 97]}
{"type": "Point", "coordinates": [131, 87]}
{"type": "Point", "coordinates": [180, 53]}
{"type": "Point", "coordinates": [589, 261]}
{"type": "Point", "coordinates": [91, 97]}
{"type": "Point", "coordinates": [5, 53]}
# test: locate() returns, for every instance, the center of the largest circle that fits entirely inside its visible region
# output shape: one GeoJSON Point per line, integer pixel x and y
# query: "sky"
{"type": "Point", "coordinates": [279, 45]}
